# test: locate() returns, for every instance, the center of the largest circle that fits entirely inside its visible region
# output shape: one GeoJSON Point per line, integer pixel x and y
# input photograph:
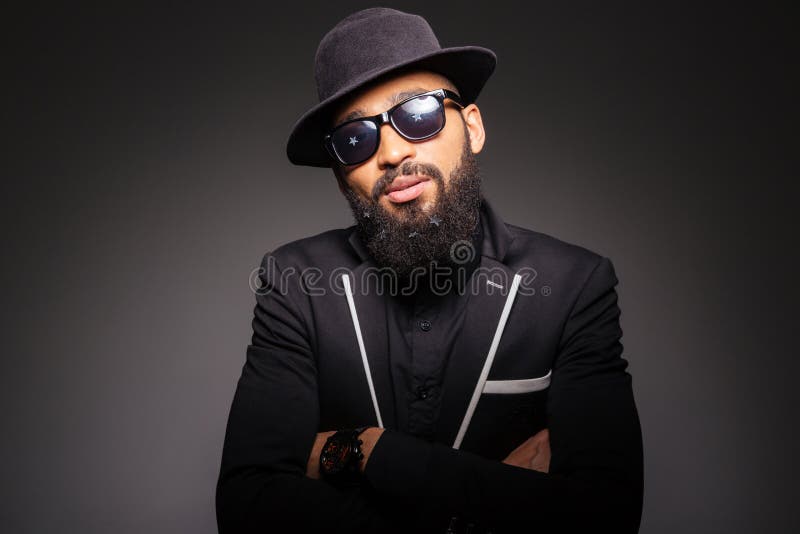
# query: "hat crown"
{"type": "Point", "coordinates": [369, 41]}
{"type": "Point", "coordinates": [364, 47]}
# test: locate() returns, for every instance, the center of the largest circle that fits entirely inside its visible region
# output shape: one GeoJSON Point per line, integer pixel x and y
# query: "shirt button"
{"type": "Point", "coordinates": [422, 392]}
{"type": "Point", "coordinates": [425, 325]}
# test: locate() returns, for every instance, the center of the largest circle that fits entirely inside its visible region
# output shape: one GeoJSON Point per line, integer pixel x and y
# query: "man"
{"type": "Point", "coordinates": [430, 368]}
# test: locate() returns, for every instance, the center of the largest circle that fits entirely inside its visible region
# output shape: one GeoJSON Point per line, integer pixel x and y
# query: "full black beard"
{"type": "Point", "coordinates": [413, 239]}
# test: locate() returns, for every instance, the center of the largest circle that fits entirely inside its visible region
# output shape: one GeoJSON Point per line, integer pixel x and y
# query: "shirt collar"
{"type": "Point", "coordinates": [496, 237]}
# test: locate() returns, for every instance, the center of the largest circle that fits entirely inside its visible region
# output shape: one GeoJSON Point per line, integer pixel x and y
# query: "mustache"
{"type": "Point", "coordinates": [407, 168]}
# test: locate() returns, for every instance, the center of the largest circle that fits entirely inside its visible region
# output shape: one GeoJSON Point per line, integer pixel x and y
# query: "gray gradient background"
{"type": "Point", "coordinates": [145, 176]}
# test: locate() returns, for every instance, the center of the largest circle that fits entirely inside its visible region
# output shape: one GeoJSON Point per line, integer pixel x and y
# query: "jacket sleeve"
{"type": "Point", "coordinates": [271, 428]}
{"type": "Point", "coordinates": [595, 480]}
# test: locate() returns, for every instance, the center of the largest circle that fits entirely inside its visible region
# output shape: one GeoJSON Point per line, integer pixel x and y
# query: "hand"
{"type": "Point", "coordinates": [368, 440]}
{"type": "Point", "coordinates": [533, 454]}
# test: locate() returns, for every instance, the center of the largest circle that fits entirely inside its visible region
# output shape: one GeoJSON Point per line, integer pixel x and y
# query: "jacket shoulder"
{"type": "Point", "coordinates": [550, 256]}
{"type": "Point", "coordinates": [527, 242]}
{"type": "Point", "coordinates": [327, 249]}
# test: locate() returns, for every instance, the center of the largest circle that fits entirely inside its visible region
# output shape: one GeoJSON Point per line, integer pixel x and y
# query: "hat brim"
{"type": "Point", "coordinates": [468, 67]}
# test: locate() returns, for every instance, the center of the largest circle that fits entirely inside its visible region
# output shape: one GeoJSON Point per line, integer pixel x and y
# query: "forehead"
{"type": "Point", "coordinates": [380, 96]}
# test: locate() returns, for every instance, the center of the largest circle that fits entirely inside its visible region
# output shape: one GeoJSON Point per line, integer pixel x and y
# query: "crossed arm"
{"type": "Point", "coordinates": [533, 453]}
{"type": "Point", "coordinates": [593, 478]}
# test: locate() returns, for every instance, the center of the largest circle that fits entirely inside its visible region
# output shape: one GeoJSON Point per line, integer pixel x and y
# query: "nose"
{"type": "Point", "coordinates": [393, 148]}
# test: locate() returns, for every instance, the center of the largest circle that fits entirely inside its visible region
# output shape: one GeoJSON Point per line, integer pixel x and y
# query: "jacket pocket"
{"type": "Point", "coordinates": [525, 385]}
{"type": "Point", "coordinates": [508, 413]}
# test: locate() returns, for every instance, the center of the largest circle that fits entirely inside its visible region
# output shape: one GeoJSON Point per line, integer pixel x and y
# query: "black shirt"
{"type": "Point", "coordinates": [423, 327]}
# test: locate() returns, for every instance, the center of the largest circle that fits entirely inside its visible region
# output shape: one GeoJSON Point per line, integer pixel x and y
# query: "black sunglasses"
{"type": "Point", "coordinates": [417, 118]}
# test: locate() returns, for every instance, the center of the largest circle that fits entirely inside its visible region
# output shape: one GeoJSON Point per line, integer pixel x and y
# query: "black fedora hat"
{"type": "Point", "coordinates": [366, 46]}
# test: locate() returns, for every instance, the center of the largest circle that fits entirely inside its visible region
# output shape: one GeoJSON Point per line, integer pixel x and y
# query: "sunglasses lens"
{"type": "Point", "coordinates": [419, 118]}
{"type": "Point", "coordinates": [355, 142]}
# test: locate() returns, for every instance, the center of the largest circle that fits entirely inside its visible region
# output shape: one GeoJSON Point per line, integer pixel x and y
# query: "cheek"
{"type": "Point", "coordinates": [361, 185]}
{"type": "Point", "coordinates": [442, 152]}
{"type": "Point", "coordinates": [445, 149]}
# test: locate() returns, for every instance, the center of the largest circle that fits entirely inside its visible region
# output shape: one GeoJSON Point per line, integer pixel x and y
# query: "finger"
{"type": "Point", "coordinates": [541, 462]}
{"type": "Point", "coordinates": [543, 436]}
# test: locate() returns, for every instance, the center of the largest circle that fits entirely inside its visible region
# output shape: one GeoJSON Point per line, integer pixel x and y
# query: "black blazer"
{"type": "Point", "coordinates": [557, 364]}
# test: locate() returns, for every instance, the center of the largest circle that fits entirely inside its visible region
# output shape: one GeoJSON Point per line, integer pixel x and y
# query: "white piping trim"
{"type": "Point", "coordinates": [526, 385]}
{"type": "Point", "coordinates": [351, 303]}
{"type": "Point", "coordinates": [487, 365]}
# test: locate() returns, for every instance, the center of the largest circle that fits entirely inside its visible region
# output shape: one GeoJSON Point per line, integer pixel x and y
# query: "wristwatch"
{"type": "Point", "coordinates": [338, 460]}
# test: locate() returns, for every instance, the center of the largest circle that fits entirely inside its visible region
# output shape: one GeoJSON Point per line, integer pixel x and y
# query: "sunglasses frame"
{"type": "Point", "coordinates": [386, 118]}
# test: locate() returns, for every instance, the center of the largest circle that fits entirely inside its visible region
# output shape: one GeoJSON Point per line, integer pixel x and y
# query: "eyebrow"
{"type": "Point", "coordinates": [393, 100]}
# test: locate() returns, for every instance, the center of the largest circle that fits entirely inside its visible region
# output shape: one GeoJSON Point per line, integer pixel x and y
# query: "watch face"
{"type": "Point", "coordinates": [335, 455]}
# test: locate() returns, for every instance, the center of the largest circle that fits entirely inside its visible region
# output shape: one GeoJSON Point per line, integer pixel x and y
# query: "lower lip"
{"type": "Point", "coordinates": [409, 193]}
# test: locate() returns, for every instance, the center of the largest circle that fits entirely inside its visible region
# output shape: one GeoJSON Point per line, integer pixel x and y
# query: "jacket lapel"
{"type": "Point", "coordinates": [371, 309]}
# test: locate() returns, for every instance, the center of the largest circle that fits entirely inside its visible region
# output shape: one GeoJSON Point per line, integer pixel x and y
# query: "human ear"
{"type": "Point", "coordinates": [474, 124]}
